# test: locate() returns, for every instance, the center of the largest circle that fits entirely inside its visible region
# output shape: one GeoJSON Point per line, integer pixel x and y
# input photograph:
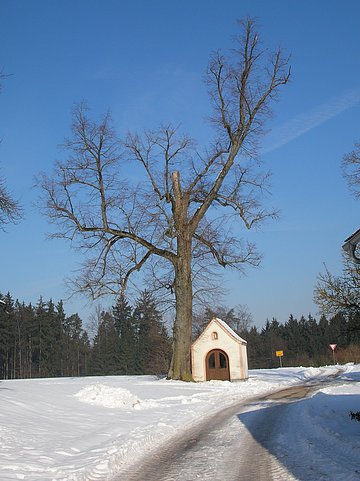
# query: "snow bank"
{"type": "Point", "coordinates": [112, 397]}
{"type": "Point", "coordinates": [322, 424]}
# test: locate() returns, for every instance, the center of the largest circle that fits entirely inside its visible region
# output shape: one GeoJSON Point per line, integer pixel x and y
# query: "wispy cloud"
{"type": "Point", "coordinates": [302, 123]}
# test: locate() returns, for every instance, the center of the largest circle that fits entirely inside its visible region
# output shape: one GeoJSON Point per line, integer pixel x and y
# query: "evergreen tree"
{"type": "Point", "coordinates": [153, 343]}
{"type": "Point", "coordinates": [126, 330]}
{"type": "Point", "coordinates": [63, 341]}
{"type": "Point", "coordinates": [353, 330]}
{"type": "Point", "coordinates": [272, 341]}
{"type": "Point", "coordinates": [316, 342]}
{"type": "Point", "coordinates": [77, 345]}
{"type": "Point", "coordinates": [20, 335]}
{"type": "Point", "coordinates": [255, 349]}
{"type": "Point", "coordinates": [34, 342]}
{"type": "Point", "coordinates": [104, 357]}
{"type": "Point", "coordinates": [338, 329]}
{"type": "Point", "coordinates": [37, 338]}
{"type": "Point", "coordinates": [51, 342]}
{"type": "Point", "coordinates": [7, 338]}
{"type": "Point", "coordinates": [28, 315]}
{"type": "Point", "coordinates": [84, 354]}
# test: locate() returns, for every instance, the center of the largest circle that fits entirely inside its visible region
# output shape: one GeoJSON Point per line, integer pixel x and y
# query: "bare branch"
{"type": "Point", "coordinates": [142, 154]}
{"type": "Point", "coordinates": [240, 102]}
{"type": "Point", "coordinates": [341, 293]}
{"type": "Point", "coordinates": [351, 170]}
{"type": "Point", "coordinates": [163, 216]}
{"type": "Point", "coordinates": [10, 209]}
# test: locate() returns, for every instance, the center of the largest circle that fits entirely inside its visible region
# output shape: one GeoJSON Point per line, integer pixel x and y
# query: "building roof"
{"type": "Point", "coordinates": [350, 246]}
{"type": "Point", "coordinates": [229, 330]}
{"type": "Point", "coordinates": [353, 236]}
{"type": "Point", "coordinates": [222, 324]}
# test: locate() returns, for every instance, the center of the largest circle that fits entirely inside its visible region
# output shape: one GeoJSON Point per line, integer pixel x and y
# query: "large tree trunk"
{"type": "Point", "coordinates": [180, 364]}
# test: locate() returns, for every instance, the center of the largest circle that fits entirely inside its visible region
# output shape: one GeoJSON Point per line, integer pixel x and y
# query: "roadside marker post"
{"type": "Point", "coordinates": [333, 347]}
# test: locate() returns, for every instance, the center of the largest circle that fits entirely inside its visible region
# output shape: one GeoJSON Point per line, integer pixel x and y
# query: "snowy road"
{"type": "Point", "coordinates": [98, 428]}
{"type": "Point", "coordinates": [243, 443]}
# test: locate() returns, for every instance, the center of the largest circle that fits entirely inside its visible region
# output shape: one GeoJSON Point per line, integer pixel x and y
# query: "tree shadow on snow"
{"type": "Point", "coordinates": [5, 388]}
{"type": "Point", "coordinates": [303, 439]}
{"type": "Point", "coordinates": [351, 376]}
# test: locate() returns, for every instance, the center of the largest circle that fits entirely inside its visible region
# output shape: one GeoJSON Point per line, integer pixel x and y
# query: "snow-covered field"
{"type": "Point", "coordinates": [77, 429]}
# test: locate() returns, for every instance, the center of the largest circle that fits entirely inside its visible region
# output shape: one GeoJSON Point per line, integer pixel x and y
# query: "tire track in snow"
{"type": "Point", "coordinates": [222, 447]}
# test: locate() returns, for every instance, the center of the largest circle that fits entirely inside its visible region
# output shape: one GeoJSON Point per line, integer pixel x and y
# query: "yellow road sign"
{"type": "Point", "coordinates": [279, 353]}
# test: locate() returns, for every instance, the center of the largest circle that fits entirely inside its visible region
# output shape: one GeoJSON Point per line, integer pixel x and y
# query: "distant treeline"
{"type": "Point", "coordinates": [42, 341]}
{"type": "Point", "coordinates": [304, 342]}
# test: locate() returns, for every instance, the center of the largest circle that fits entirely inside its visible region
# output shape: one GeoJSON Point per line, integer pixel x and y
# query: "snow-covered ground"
{"type": "Point", "coordinates": [77, 429]}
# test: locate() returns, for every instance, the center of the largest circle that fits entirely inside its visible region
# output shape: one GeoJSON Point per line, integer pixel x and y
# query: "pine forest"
{"type": "Point", "coordinates": [42, 341]}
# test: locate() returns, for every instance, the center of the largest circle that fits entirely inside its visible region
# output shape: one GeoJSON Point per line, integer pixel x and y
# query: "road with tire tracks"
{"type": "Point", "coordinates": [236, 444]}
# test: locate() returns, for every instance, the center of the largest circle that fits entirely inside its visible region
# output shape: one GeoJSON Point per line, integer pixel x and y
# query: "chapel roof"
{"type": "Point", "coordinates": [223, 325]}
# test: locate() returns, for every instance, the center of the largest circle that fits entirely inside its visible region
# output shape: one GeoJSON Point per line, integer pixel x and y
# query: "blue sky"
{"type": "Point", "coordinates": [145, 61]}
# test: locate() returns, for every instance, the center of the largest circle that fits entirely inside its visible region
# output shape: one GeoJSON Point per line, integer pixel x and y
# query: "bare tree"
{"type": "Point", "coordinates": [10, 210]}
{"type": "Point", "coordinates": [341, 293]}
{"type": "Point", "coordinates": [183, 208]}
{"type": "Point", "coordinates": [351, 169]}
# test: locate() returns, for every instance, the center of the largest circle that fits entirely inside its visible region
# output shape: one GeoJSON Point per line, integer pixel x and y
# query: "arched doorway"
{"type": "Point", "coordinates": [217, 366]}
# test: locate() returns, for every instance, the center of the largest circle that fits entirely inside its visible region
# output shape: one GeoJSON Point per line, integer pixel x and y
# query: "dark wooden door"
{"type": "Point", "coordinates": [217, 366]}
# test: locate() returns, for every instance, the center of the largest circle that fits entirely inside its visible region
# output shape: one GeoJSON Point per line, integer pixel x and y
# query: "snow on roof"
{"type": "Point", "coordinates": [229, 330]}
{"type": "Point", "coordinates": [352, 236]}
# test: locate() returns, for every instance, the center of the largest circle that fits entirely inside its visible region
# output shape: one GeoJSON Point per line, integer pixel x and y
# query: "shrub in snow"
{"type": "Point", "coordinates": [355, 416]}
